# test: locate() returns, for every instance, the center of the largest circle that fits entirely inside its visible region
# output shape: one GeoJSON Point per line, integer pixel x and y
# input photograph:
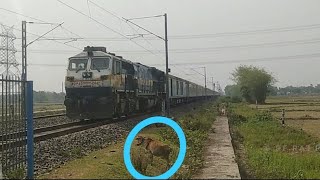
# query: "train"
{"type": "Point", "coordinates": [101, 84]}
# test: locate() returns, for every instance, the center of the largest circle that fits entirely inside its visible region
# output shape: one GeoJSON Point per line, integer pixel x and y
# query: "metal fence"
{"type": "Point", "coordinates": [13, 126]}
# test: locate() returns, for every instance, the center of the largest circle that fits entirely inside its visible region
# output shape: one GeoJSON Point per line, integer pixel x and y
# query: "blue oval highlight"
{"type": "Point", "coordinates": [137, 129]}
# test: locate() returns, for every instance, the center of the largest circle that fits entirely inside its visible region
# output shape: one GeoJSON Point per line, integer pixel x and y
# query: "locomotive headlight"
{"type": "Point", "coordinates": [69, 78]}
{"type": "Point", "coordinates": [104, 77]}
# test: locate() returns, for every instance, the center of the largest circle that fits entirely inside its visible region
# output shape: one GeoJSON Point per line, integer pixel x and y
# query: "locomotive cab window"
{"type": "Point", "coordinates": [100, 63]}
{"type": "Point", "coordinates": [77, 64]}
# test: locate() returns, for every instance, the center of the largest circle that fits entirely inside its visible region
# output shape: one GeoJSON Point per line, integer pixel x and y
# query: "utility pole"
{"type": "Point", "coordinates": [205, 79]}
{"type": "Point", "coordinates": [7, 68]}
{"type": "Point", "coordinates": [62, 86]}
{"type": "Point", "coordinates": [165, 39]}
{"type": "Point", "coordinates": [24, 51]}
{"type": "Point", "coordinates": [205, 82]}
{"type": "Point", "coordinates": [213, 88]}
{"type": "Point", "coordinates": [27, 97]}
{"type": "Point", "coordinates": [167, 67]}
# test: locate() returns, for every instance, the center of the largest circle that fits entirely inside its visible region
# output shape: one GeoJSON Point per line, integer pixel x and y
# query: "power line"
{"type": "Point", "coordinates": [198, 50]}
{"type": "Point", "coordinates": [145, 17]}
{"type": "Point", "coordinates": [21, 14]}
{"type": "Point", "coordinates": [43, 22]}
{"type": "Point", "coordinates": [107, 27]}
{"type": "Point", "coordinates": [44, 34]}
{"type": "Point", "coordinates": [197, 36]}
{"type": "Point", "coordinates": [127, 20]}
{"type": "Point", "coordinates": [44, 38]}
{"type": "Point", "coordinates": [266, 59]}
{"type": "Point", "coordinates": [122, 19]}
{"type": "Point", "coordinates": [281, 58]}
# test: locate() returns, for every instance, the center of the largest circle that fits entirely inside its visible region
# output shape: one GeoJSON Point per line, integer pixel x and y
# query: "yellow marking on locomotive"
{"type": "Point", "coordinates": [117, 81]}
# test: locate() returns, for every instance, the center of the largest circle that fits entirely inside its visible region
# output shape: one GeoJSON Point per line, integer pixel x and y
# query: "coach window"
{"type": "Point", "coordinates": [171, 88]}
{"type": "Point", "coordinates": [177, 83]}
{"type": "Point", "coordinates": [117, 67]}
{"type": "Point", "coordinates": [181, 88]}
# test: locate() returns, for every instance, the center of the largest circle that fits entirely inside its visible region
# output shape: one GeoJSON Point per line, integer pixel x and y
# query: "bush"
{"type": "Point", "coordinates": [236, 119]}
{"type": "Point", "coordinates": [196, 126]}
{"type": "Point", "coordinates": [263, 116]}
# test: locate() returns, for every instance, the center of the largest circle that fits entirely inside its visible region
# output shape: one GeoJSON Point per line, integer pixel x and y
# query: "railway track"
{"type": "Point", "coordinates": [49, 116]}
{"type": "Point", "coordinates": [42, 134]}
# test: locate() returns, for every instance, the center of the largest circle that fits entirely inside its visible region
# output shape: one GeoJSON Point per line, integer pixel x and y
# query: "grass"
{"type": "Point", "coordinates": [297, 114]}
{"type": "Point", "coordinates": [108, 163]}
{"type": "Point", "coordinates": [309, 126]}
{"type": "Point", "coordinates": [271, 150]}
{"type": "Point", "coordinates": [302, 116]}
{"type": "Point", "coordinates": [47, 106]}
{"type": "Point", "coordinates": [104, 163]}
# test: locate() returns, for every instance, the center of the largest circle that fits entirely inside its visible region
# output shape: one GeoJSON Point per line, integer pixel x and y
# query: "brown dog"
{"type": "Point", "coordinates": [155, 147]}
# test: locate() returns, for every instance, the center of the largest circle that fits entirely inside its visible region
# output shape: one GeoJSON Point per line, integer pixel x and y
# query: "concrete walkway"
{"type": "Point", "coordinates": [219, 157]}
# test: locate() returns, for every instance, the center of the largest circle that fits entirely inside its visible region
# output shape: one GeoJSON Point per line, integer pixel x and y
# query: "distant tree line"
{"type": "Point", "coordinates": [48, 97]}
{"type": "Point", "coordinates": [234, 91]}
{"type": "Point", "coordinates": [291, 90]}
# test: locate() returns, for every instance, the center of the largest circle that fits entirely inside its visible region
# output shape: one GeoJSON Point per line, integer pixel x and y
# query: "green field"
{"type": "Point", "coordinates": [266, 149]}
{"type": "Point", "coordinates": [47, 106]}
{"type": "Point", "coordinates": [301, 112]}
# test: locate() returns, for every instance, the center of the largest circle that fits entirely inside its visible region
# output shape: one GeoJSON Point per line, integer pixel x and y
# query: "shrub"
{"type": "Point", "coordinates": [196, 126]}
{"type": "Point", "coordinates": [263, 116]}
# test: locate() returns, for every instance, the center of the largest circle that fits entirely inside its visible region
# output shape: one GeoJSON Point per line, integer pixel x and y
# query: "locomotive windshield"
{"type": "Point", "coordinates": [78, 64]}
{"type": "Point", "coordinates": [100, 63]}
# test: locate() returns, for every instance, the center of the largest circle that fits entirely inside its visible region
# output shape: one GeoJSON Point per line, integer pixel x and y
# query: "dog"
{"type": "Point", "coordinates": [156, 148]}
{"type": "Point", "coordinates": [141, 158]}
{"type": "Point", "coordinates": [223, 111]}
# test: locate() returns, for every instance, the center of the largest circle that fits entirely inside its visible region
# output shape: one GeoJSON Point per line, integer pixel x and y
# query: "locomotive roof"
{"type": "Point", "coordinates": [95, 53]}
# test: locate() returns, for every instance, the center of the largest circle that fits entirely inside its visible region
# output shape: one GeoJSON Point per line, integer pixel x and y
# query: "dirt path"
{"type": "Point", "coordinates": [219, 157]}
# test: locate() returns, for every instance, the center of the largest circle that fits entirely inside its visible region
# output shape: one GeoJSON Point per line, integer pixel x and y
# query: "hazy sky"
{"type": "Point", "coordinates": [222, 33]}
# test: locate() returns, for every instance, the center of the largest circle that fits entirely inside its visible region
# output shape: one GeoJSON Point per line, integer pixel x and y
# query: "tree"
{"type": "Point", "coordinates": [254, 83]}
{"type": "Point", "coordinates": [233, 91]}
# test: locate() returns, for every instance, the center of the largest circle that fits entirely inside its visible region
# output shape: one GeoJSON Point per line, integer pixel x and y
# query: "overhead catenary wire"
{"type": "Point", "coordinates": [198, 50]}
{"type": "Point", "coordinates": [44, 37]}
{"type": "Point", "coordinates": [265, 59]}
{"type": "Point", "coordinates": [280, 58]}
{"type": "Point", "coordinates": [196, 36]}
{"type": "Point", "coordinates": [122, 19]}
{"type": "Point", "coordinates": [44, 22]}
{"type": "Point", "coordinates": [102, 24]}
{"type": "Point", "coordinates": [44, 34]}
{"type": "Point", "coordinates": [145, 17]}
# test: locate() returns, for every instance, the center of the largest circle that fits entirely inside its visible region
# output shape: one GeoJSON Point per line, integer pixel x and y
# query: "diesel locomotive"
{"type": "Point", "coordinates": [100, 85]}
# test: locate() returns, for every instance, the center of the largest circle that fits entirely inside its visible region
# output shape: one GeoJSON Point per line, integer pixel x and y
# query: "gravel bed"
{"type": "Point", "coordinates": [52, 153]}
{"type": "Point", "coordinates": [52, 121]}
{"type": "Point", "coordinates": [17, 126]}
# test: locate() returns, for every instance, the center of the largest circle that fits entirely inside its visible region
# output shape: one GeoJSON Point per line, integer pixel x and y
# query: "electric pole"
{"type": "Point", "coordinates": [167, 67]}
{"type": "Point", "coordinates": [205, 79]}
{"type": "Point", "coordinates": [165, 39]}
{"type": "Point", "coordinates": [62, 86]}
{"type": "Point", "coordinates": [24, 51]}
{"type": "Point", "coordinates": [213, 86]}
{"type": "Point", "coordinates": [205, 82]}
